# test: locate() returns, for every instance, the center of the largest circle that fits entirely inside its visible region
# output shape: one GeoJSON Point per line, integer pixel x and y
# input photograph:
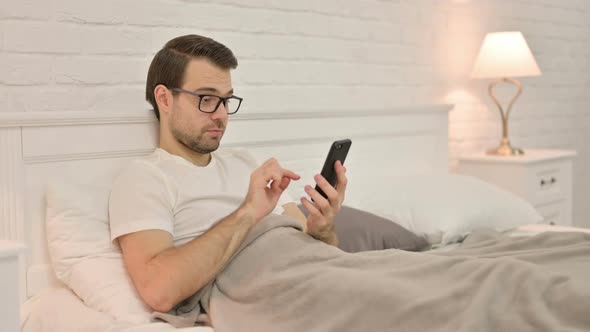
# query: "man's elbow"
{"type": "Point", "coordinates": [157, 297]}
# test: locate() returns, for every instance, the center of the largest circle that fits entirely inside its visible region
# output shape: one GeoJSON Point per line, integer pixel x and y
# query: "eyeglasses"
{"type": "Point", "coordinates": [210, 103]}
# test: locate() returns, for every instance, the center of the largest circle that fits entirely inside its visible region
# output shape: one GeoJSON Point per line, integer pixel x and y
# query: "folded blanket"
{"type": "Point", "coordinates": [283, 280]}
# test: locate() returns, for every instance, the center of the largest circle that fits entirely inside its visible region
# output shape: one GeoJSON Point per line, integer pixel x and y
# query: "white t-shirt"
{"type": "Point", "coordinates": [167, 192]}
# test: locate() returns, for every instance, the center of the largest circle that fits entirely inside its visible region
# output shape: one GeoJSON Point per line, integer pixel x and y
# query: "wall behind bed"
{"type": "Point", "coordinates": [314, 56]}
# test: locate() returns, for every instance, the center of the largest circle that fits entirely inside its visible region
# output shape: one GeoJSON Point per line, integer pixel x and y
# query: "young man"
{"type": "Point", "coordinates": [180, 213]}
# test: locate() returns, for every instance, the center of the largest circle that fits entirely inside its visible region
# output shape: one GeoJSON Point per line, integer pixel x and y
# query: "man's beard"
{"type": "Point", "coordinates": [198, 143]}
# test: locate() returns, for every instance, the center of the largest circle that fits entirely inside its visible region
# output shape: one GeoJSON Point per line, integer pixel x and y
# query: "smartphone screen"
{"type": "Point", "coordinates": [338, 151]}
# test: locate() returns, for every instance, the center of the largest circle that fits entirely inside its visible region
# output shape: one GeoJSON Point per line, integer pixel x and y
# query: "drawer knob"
{"type": "Point", "coordinates": [552, 223]}
{"type": "Point", "coordinates": [553, 180]}
{"type": "Point", "coordinates": [543, 183]}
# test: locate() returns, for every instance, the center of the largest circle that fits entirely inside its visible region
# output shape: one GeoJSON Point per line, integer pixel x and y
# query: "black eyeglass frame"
{"type": "Point", "coordinates": [221, 100]}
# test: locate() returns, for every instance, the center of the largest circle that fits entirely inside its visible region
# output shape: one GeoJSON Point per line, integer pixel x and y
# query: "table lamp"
{"type": "Point", "coordinates": [504, 55]}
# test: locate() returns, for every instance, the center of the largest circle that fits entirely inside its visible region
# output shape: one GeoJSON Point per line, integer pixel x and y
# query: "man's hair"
{"type": "Point", "coordinates": [169, 64]}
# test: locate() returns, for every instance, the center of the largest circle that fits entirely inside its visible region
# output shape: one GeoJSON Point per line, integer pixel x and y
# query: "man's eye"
{"type": "Point", "coordinates": [208, 99]}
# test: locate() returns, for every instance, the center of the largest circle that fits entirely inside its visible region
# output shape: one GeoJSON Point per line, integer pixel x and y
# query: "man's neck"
{"type": "Point", "coordinates": [182, 151]}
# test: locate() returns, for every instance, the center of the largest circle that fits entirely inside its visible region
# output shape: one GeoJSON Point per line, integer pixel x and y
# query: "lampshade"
{"type": "Point", "coordinates": [505, 54]}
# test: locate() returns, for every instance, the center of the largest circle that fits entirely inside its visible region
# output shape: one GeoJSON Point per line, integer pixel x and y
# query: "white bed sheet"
{"type": "Point", "coordinates": [522, 231]}
{"type": "Point", "coordinates": [533, 229]}
{"type": "Point", "coordinates": [59, 309]}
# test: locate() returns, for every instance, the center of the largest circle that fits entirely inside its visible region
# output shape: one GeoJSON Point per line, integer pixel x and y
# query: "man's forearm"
{"type": "Point", "coordinates": [179, 272]}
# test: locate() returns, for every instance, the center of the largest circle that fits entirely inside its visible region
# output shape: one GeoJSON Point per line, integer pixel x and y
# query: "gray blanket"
{"type": "Point", "coordinates": [283, 280]}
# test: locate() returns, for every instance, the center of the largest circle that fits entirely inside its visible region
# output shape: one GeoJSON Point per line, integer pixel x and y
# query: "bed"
{"type": "Point", "coordinates": [88, 148]}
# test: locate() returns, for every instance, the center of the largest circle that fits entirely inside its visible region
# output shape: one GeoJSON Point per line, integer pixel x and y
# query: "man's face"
{"type": "Point", "coordinates": [199, 131]}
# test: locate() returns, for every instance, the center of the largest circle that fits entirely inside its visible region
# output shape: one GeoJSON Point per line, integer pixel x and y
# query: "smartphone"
{"type": "Point", "coordinates": [338, 151]}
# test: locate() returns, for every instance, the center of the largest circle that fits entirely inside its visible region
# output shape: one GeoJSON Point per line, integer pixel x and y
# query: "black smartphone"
{"type": "Point", "coordinates": [338, 151]}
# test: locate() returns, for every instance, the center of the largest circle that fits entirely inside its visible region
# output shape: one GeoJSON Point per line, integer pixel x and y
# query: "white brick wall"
{"type": "Point", "coordinates": [311, 55]}
{"type": "Point", "coordinates": [554, 110]}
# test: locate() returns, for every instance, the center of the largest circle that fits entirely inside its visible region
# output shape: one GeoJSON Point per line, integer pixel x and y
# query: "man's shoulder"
{"type": "Point", "coordinates": [141, 165]}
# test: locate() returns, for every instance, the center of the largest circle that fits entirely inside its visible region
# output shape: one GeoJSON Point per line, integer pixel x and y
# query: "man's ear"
{"type": "Point", "coordinates": [163, 98]}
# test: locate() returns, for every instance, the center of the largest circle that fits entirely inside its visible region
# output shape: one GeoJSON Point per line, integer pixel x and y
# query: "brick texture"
{"type": "Point", "coordinates": [315, 55]}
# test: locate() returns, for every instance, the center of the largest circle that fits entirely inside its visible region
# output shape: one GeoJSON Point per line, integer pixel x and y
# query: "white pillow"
{"type": "Point", "coordinates": [82, 254]}
{"type": "Point", "coordinates": [446, 207]}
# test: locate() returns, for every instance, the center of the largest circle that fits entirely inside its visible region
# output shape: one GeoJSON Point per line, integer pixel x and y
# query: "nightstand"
{"type": "Point", "coordinates": [542, 177]}
{"type": "Point", "coordinates": [9, 285]}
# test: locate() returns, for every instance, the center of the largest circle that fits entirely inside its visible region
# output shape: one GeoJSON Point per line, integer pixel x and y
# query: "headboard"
{"type": "Point", "coordinates": [90, 147]}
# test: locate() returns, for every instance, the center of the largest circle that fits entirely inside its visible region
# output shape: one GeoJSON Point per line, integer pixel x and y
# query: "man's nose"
{"type": "Point", "coordinates": [220, 112]}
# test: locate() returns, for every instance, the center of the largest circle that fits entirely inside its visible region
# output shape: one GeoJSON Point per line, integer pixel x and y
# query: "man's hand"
{"type": "Point", "coordinates": [320, 222]}
{"type": "Point", "coordinates": [267, 183]}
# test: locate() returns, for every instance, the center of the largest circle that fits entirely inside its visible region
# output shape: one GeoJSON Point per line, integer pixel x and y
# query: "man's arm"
{"type": "Point", "coordinates": [164, 274]}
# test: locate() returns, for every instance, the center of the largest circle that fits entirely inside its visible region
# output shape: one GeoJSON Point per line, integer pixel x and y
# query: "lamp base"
{"type": "Point", "coordinates": [505, 149]}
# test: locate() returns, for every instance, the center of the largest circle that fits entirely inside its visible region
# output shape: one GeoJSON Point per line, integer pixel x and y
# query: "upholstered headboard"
{"type": "Point", "coordinates": [90, 147]}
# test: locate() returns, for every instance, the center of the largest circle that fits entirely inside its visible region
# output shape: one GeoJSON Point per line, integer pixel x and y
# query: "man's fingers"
{"type": "Point", "coordinates": [317, 224]}
{"type": "Point", "coordinates": [284, 183]}
{"type": "Point", "coordinates": [272, 167]}
{"type": "Point", "coordinates": [341, 176]}
{"type": "Point", "coordinates": [275, 185]}
{"type": "Point", "coordinates": [290, 174]}
{"type": "Point", "coordinates": [271, 178]}
{"type": "Point", "coordinates": [319, 200]}
{"type": "Point", "coordinates": [270, 161]}
{"type": "Point", "coordinates": [283, 172]}
{"type": "Point", "coordinates": [270, 172]}
{"type": "Point", "coordinates": [278, 178]}
{"type": "Point", "coordinates": [327, 188]}
{"type": "Point", "coordinates": [310, 207]}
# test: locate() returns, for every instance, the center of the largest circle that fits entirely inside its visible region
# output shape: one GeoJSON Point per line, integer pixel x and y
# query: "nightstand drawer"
{"type": "Point", "coordinates": [548, 182]}
{"type": "Point", "coordinates": [554, 213]}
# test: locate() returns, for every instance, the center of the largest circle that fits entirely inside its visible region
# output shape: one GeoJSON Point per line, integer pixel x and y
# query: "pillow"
{"type": "Point", "coordinates": [447, 207]}
{"type": "Point", "coordinates": [82, 254]}
{"type": "Point", "coordinates": [360, 230]}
